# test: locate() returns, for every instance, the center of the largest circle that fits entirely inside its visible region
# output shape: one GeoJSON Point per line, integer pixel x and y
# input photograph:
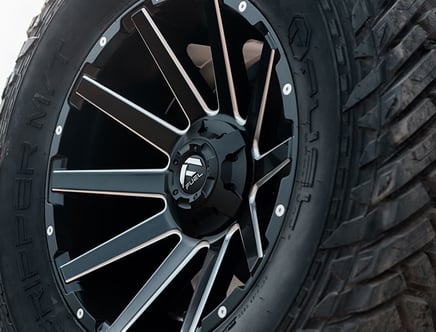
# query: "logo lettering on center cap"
{"type": "Point", "coordinates": [192, 170]}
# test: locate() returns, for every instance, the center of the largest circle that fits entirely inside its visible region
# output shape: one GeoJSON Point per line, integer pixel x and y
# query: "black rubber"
{"type": "Point", "coordinates": [357, 251]}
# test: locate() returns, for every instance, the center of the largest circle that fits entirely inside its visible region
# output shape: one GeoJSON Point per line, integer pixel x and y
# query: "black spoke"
{"type": "Point", "coordinates": [204, 287]}
{"type": "Point", "coordinates": [146, 233]}
{"type": "Point", "coordinates": [250, 247]}
{"type": "Point", "coordinates": [159, 281]}
{"type": "Point", "coordinates": [137, 183]}
{"type": "Point", "coordinates": [143, 123]}
{"type": "Point", "coordinates": [224, 75]}
{"type": "Point", "coordinates": [175, 75]}
{"type": "Point", "coordinates": [253, 209]}
{"type": "Point", "coordinates": [258, 106]}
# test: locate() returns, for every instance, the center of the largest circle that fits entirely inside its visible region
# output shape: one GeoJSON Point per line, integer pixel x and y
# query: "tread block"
{"type": "Point", "coordinates": [370, 153]}
{"type": "Point", "coordinates": [428, 23]}
{"type": "Point", "coordinates": [398, 56]}
{"type": "Point", "coordinates": [362, 192]}
{"type": "Point", "coordinates": [387, 68]}
{"type": "Point", "coordinates": [360, 14]}
{"type": "Point", "coordinates": [419, 272]}
{"type": "Point", "coordinates": [363, 10]}
{"type": "Point", "coordinates": [381, 320]}
{"type": "Point", "coordinates": [365, 87]}
{"type": "Point", "coordinates": [392, 250]}
{"type": "Point", "coordinates": [27, 46]}
{"type": "Point", "coordinates": [383, 218]}
{"type": "Point", "coordinates": [416, 314]}
{"type": "Point", "coordinates": [388, 27]}
{"type": "Point", "coordinates": [431, 178]}
{"type": "Point", "coordinates": [348, 232]}
{"type": "Point", "coordinates": [399, 97]}
{"type": "Point", "coordinates": [370, 120]}
{"type": "Point", "coordinates": [361, 298]}
{"type": "Point", "coordinates": [393, 176]}
{"type": "Point", "coordinates": [430, 250]}
{"type": "Point", "coordinates": [366, 49]}
{"type": "Point", "coordinates": [340, 268]}
{"type": "Point", "coordinates": [394, 20]}
{"type": "Point", "coordinates": [409, 125]}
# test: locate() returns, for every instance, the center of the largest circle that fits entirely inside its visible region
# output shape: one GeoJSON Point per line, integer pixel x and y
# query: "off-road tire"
{"type": "Point", "coordinates": [357, 249]}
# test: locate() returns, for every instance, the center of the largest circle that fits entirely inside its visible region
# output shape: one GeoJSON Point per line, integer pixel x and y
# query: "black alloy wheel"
{"type": "Point", "coordinates": [197, 140]}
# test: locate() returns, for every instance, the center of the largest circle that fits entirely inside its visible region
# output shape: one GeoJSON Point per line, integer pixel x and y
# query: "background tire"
{"type": "Point", "coordinates": [355, 249]}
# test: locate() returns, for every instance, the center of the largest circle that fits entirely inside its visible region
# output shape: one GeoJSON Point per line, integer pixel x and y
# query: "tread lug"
{"type": "Point", "coordinates": [419, 272]}
{"type": "Point", "coordinates": [383, 218]}
{"type": "Point", "coordinates": [389, 252]}
{"type": "Point", "coordinates": [362, 192]}
{"type": "Point", "coordinates": [365, 87]}
{"type": "Point", "coordinates": [417, 314]}
{"type": "Point", "coordinates": [399, 97]}
{"type": "Point", "coordinates": [361, 298]}
{"type": "Point", "coordinates": [383, 320]}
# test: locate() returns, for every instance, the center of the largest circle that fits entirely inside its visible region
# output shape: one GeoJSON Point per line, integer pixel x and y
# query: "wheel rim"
{"type": "Point", "coordinates": [199, 167]}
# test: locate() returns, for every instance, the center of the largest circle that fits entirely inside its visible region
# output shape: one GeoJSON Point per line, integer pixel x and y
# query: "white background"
{"type": "Point", "coordinates": [15, 18]}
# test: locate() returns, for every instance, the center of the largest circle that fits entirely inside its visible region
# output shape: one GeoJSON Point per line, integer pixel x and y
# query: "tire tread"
{"type": "Point", "coordinates": [382, 270]}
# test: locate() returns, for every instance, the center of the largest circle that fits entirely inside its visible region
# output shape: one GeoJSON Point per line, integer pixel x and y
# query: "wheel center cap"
{"type": "Point", "coordinates": [208, 173]}
{"type": "Point", "coordinates": [193, 174]}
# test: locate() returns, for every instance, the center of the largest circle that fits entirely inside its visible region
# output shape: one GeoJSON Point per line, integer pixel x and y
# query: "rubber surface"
{"type": "Point", "coordinates": [381, 274]}
{"type": "Point", "coordinates": [36, 29]}
{"type": "Point", "coordinates": [374, 269]}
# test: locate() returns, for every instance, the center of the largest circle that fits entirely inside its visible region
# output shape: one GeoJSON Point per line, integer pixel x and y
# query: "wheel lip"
{"type": "Point", "coordinates": [284, 75]}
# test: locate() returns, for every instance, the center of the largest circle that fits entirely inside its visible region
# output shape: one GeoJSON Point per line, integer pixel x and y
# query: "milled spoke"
{"type": "Point", "coordinates": [259, 103]}
{"type": "Point", "coordinates": [136, 183]}
{"type": "Point", "coordinates": [143, 123]}
{"type": "Point", "coordinates": [204, 287]}
{"type": "Point", "coordinates": [224, 77]}
{"type": "Point", "coordinates": [136, 238]}
{"type": "Point", "coordinates": [261, 94]}
{"type": "Point", "coordinates": [250, 247]}
{"type": "Point", "coordinates": [253, 208]}
{"type": "Point", "coordinates": [277, 147]}
{"type": "Point", "coordinates": [159, 281]}
{"type": "Point", "coordinates": [172, 70]}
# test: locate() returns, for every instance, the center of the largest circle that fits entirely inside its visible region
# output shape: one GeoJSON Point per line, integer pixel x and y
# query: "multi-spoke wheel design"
{"type": "Point", "coordinates": [172, 166]}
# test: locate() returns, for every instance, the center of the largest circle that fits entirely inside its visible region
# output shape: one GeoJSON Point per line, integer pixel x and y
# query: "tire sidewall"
{"type": "Point", "coordinates": [32, 294]}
